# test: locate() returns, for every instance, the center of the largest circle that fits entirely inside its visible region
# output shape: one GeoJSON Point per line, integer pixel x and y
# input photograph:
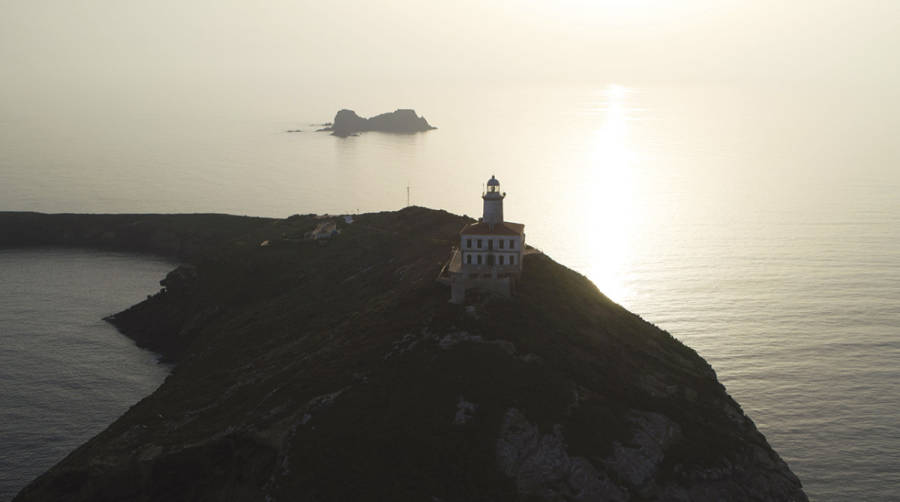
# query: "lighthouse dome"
{"type": "Point", "coordinates": [493, 182]}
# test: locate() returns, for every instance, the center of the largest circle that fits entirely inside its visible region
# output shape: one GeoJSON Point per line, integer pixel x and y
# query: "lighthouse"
{"type": "Point", "coordinates": [493, 203]}
{"type": "Point", "coordinates": [490, 250]}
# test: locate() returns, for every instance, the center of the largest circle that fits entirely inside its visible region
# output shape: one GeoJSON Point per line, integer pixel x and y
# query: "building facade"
{"type": "Point", "coordinates": [490, 250]}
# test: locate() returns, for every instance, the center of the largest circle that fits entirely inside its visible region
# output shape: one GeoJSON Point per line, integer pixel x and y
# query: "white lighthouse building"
{"type": "Point", "coordinates": [490, 251]}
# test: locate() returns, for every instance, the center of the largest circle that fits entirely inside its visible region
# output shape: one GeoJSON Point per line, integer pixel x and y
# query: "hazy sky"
{"type": "Point", "coordinates": [46, 44]}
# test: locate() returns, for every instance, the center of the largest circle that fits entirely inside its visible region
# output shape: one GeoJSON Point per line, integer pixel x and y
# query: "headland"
{"type": "Point", "coordinates": [336, 369]}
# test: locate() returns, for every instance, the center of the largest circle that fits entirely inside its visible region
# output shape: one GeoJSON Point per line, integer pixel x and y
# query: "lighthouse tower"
{"type": "Point", "coordinates": [493, 203]}
{"type": "Point", "coordinates": [490, 250]}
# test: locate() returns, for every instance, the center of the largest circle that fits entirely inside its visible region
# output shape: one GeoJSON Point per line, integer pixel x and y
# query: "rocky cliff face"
{"type": "Point", "coordinates": [341, 372]}
{"type": "Point", "coordinates": [347, 123]}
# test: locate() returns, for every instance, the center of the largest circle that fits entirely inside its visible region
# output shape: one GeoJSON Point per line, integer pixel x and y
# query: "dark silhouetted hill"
{"type": "Point", "coordinates": [339, 371]}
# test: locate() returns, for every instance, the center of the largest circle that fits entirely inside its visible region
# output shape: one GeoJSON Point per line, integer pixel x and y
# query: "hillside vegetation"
{"type": "Point", "coordinates": [310, 370]}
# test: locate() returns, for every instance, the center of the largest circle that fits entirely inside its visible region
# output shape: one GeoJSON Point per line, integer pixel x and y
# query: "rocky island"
{"type": "Point", "coordinates": [337, 370]}
{"type": "Point", "coordinates": [401, 121]}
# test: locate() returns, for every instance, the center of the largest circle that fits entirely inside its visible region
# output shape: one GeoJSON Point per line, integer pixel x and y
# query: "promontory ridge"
{"type": "Point", "coordinates": [318, 358]}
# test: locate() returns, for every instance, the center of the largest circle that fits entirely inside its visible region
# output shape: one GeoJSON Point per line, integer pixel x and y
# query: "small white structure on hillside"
{"type": "Point", "coordinates": [490, 251]}
{"type": "Point", "coordinates": [325, 230]}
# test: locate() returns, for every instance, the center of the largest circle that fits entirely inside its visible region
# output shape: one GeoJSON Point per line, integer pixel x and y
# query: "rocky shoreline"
{"type": "Point", "coordinates": [338, 371]}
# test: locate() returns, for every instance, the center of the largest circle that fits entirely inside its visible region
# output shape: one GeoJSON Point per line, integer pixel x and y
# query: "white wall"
{"type": "Point", "coordinates": [484, 243]}
{"type": "Point", "coordinates": [484, 251]}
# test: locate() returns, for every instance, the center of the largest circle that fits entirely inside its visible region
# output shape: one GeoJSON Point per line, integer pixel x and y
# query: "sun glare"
{"type": "Point", "coordinates": [611, 204]}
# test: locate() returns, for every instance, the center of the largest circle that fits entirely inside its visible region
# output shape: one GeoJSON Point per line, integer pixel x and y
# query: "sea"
{"type": "Point", "coordinates": [759, 224]}
{"type": "Point", "coordinates": [65, 374]}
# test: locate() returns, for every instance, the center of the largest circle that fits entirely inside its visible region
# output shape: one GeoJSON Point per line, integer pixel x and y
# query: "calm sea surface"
{"type": "Point", "coordinates": [65, 374]}
{"type": "Point", "coordinates": [759, 226]}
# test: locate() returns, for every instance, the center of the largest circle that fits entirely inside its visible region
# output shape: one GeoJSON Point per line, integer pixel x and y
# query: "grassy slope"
{"type": "Point", "coordinates": [266, 334]}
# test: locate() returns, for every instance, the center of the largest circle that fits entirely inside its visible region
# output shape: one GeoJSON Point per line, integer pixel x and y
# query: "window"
{"type": "Point", "coordinates": [479, 243]}
{"type": "Point", "coordinates": [501, 258]}
{"type": "Point", "coordinates": [469, 259]}
{"type": "Point", "coordinates": [512, 244]}
{"type": "Point", "coordinates": [501, 243]}
{"type": "Point", "coordinates": [512, 260]}
{"type": "Point", "coordinates": [479, 259]}
{"type": "Point", "coordinates": [468, 243]}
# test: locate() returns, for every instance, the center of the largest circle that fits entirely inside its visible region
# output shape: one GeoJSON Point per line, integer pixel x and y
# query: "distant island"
{"type": "Point", "coordinates": [317, 358]}
{"type": "Point", "coordinates": [401, 121]}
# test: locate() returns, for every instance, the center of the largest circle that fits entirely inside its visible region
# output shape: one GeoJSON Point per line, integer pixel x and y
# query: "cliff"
{"type": "Point", "coordinates": [402, 121]}
{"type": "Point", "coordinates": [339, 371]}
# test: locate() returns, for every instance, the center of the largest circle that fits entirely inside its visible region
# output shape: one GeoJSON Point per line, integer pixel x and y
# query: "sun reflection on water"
{"type": "Point", "coordinates": [609, 203]}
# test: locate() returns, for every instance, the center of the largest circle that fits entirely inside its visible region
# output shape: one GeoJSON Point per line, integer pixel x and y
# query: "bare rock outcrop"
{"type": "Point", "coordinates": [542, 468]}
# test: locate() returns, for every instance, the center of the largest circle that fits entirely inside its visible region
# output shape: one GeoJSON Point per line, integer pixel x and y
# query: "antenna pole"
{"type": "Point", "coordinates": [407, 195]}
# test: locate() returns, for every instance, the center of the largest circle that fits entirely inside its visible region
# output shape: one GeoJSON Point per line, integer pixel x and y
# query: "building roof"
{"type": "Point", "coordinates": [482, 228]}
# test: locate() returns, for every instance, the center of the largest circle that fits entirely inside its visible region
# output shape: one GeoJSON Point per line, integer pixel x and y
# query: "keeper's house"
{"type": "Point", "coordinates": [490, 251]}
